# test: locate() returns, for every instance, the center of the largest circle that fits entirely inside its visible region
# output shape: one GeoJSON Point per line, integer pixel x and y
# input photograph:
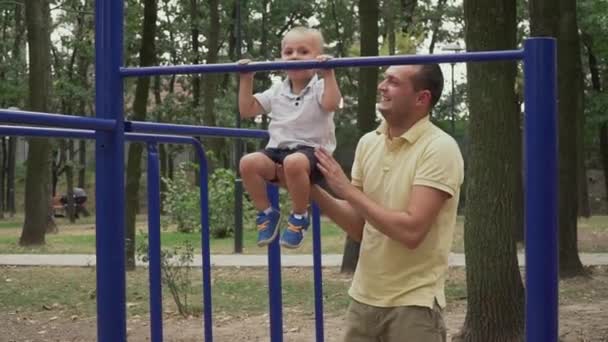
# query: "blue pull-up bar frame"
{"type": "Point", "coordinates": [110, 132]}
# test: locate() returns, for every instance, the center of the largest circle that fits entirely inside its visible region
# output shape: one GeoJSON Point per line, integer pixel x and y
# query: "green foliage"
{"type": "Point", "coordinates": [182, 202]}
{"type": "Point", "coordinates": [175, 272]}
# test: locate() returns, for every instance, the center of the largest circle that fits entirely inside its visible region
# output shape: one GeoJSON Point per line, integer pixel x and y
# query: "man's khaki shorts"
{"type": "Point", "coordinates": [365, 323]}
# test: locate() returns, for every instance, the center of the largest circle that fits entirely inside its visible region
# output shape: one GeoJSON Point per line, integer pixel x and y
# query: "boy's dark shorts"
{"type": "Point", "coordinates": [277, 155]}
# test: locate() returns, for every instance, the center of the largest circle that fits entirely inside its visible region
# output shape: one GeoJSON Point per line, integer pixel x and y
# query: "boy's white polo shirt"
{"type": "Point", "coordinates": [298, 119]}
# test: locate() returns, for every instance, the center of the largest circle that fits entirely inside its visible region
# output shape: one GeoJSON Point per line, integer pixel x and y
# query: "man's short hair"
{"type": "Point", "coordinates": [430, 77]}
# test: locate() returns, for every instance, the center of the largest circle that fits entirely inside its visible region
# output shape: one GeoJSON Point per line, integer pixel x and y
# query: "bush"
{"type": "Point", "coordinates": [182, 202]}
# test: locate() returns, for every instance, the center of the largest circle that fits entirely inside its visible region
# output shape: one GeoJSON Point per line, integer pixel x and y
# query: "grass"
{"type": "Point", "coordinates": [79, 238]}
{"type": "Point", "coordinates": [71, 290]}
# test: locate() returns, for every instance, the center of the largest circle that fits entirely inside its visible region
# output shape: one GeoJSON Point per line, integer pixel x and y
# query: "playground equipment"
{"type": "Point", "coordinates": [110, 130]}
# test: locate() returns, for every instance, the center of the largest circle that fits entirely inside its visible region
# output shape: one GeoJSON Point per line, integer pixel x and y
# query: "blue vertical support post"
{"type": "Point", "coordinates": [318, 271]}
{"type": "Point", "coordinates": [541, 189]}
{"type": "Point", "coordinates": [205, 245]}
{"type": "Point", "coordinates": [275, 295]}
{"type": "Point", "coordinates": [109, 173]}
{"type": "Point", "coordinates": [156, 294]}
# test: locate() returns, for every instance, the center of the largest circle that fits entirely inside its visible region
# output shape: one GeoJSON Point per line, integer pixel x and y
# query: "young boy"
{"type": "Point", "coordinates": [301, 109]}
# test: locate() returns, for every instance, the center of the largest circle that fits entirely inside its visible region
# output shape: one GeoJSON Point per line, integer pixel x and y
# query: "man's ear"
{"type": "Point", "coordinates": [424, 98]}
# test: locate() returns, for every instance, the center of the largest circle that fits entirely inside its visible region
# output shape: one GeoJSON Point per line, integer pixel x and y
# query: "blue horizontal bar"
{"type": "Point", "coordinates": [56, 120]}
{"type": "Point", "coordinates": [191, 130]}
{"type": "Point", "coordinates": [485, 56]}
{"type": "Point", "coordinates": [89, 134]}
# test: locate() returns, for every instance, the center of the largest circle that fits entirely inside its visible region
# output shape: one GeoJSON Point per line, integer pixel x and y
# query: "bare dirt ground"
{"type": "Point", "coordinates": [583, 318]}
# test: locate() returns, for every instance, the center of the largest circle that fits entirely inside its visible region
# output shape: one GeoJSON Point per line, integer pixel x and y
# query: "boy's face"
{"type": "Point", "coordinates": [299, 47]}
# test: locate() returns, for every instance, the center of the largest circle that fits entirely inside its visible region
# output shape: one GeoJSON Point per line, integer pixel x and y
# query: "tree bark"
{"type": "Point", "coordinates": [147, 56]}
{"type": "Point", "coordinates": [495, 293]}
{"type": "Point", "coordinates": [596, 85]}
{"type": "Point", "coordinates": [210, 84]}
{"type": "Point", "coordinates": [366, 110]}
{"type": "Point", "coordinates": [547, 19]}
{"type": "Point", "coordinates": [37, 179]}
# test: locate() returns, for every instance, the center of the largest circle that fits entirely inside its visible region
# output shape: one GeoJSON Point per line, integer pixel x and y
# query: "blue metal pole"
{"type": "Point", "coordinates": [541, 160]}
{"type": "Point", "coordinates": [275, 295]}
{"type": "Point", "coordinates": [205, 248]}
{"type": "Point", "coordinates": [318, 271]}
{"type": "Point", "coordinates": [161, 128]}
{"type": "Point", "coordinates": [109, 174]}
{"type": "Point", "coordinates": [484, 56]}
{"type": "Point", "coordinates": [154, 253]}
{"type": "Point", "coordinates": [56, 120]}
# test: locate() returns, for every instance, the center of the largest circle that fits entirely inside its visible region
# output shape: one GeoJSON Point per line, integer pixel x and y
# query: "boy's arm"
{"type": "Point", "coordinates": [330, 101]}
{"type": "Point", "coordinates": [248, 106]}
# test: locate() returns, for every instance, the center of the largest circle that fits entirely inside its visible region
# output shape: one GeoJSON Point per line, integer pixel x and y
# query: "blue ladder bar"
{"type": "Point", "coordinates": [109, 173]}
{"type": "Point", "coordinates": [56, 120]}
{"type": "Point", "coordinates": [275, 295]}
{"type": "Point", "coordinates": [154, 251]}
{"type": "Point", "coordinates": [484, 56]}
{"type": "Point", "coordinates": [205, 246]}
{"type": "Point", "coordinates": [541, 190]}
{"type": "Point", "coordinates": [318, 271]}
{"type": "Point", "coordinates": [162, 128]}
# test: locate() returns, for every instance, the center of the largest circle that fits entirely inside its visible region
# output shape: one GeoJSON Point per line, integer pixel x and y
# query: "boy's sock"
{"type": "Point", "coordinates": [300, 216]}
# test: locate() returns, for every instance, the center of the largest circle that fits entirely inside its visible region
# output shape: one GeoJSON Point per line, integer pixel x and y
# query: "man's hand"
{"type": "Point", "coordinates": [333, 173]}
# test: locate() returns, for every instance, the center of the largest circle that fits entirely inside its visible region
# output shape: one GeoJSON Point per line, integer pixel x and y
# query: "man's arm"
{"type": "Point", "coordinates": [339, 211]}
{"type": "Point", "coordinates": [409, 227]}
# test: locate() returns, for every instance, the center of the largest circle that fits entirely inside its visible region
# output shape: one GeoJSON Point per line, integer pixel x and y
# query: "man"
{"type": "Point", "coordinates": [401, 205]}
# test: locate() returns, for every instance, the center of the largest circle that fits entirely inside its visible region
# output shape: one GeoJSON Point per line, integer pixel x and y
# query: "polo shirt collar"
{"type": "Point", "coordinates": [286, 88]}
{"type": "Point", "coordinates": [412, 134]}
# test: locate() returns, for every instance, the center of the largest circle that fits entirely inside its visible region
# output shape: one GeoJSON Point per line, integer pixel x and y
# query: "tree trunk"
{"type": "Point", "coordinates": [436, 24]}
{"type": "Point", "coordinates": [69, 178]}
{"type": "Point", "coordinates": [547, 19]}
{"type": "Point", "coordinates": [146, 58]}
{"type": "Point", "coordinates": [495, 293]}
{"type": "Point", "coordinates": [3, 162]}
{"type": "Point", "coordinates": [216, 145]}
{"type": "Point", "coordinates": [366, 111]}
{"type": "Point", "coordinates": [10, 175]}
{"type": "Point", "coordinates": [596, 85]}
{"type": "Point", "coordinates": [37, 194]}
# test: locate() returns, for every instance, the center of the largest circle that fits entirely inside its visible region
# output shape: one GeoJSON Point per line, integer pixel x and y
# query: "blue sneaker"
{"type": "Point", "coordinates": [268, 227]}
{"type": "Point", "coordinates": [293, 236]}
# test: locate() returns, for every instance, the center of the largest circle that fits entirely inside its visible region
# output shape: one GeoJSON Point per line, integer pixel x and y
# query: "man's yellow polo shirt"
{"type": "Point", "coordinates": [388, 273]}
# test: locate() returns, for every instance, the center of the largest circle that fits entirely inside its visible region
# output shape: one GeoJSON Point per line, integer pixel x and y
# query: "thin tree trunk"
{"type": "Point", "coordinates": [596, 85]}
{"type": "Point", "coordinates": [146, 57]}
{"type": "Point", "coordinates": [10, 186]}
{"type": "Point", "coordinates": [216, 145]}
{"type": "Point", "coordinates": [366, 111]}
{"type": "Point", "coordinates": [495, 293]}
{"type": "Point", "coordinates": [37, 194]}
{"type": "Point", "coordinates": [570, 140]}
{"type": "Point", "coordinates": [68, 146]}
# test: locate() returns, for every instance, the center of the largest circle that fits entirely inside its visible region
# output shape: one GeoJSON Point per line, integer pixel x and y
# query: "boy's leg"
{"type": "Point", "coordinates": [296, 168]}
{"type": "Point", "coordinates": [256, 169]}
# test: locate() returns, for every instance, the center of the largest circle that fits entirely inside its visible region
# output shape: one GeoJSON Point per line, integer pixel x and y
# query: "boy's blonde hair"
{"type": "Point", "coordinates": [306, 31]}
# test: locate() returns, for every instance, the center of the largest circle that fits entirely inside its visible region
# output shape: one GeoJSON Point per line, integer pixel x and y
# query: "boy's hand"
{"type": "Point", "coordinates": [245, 73]}
{"type": "Point", "coordinates": [325, 71]}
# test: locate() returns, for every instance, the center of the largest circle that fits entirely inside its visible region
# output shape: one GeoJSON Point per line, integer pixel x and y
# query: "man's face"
{"type": "Point", "coordinates": [397, 97]}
